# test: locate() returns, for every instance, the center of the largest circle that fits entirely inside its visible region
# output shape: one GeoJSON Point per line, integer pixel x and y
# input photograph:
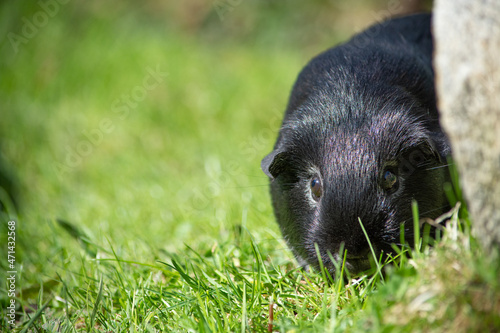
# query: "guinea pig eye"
{"type": "Point", "coordinates": [389, 180]}
{"type": "Point", "coordinates": [316, 188]}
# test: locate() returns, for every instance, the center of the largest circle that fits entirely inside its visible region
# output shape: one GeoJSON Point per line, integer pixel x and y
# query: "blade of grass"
{"type": "Point", "coordinates": [416, 226]}
{"type": "Point", "coordinates": [377, 263]}
{"type": "Point", "coordinates": [321, 265]}
{"type": "Point", "coordinates": [244, 310]}
{"type": "Point", "coordinates": [96, 306]}
{"type": "Point", "coordinates": [35, 317]}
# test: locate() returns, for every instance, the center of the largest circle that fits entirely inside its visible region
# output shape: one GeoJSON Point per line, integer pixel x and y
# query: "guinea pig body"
{"type": "Point", "coordinates": [359, 141]}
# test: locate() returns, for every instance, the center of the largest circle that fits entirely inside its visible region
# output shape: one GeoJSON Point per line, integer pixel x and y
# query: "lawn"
{"type": "Point", "coordinates": [134, 134]}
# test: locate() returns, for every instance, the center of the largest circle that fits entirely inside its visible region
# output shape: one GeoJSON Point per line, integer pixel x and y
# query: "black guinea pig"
{"type": "Point", "coordinates": [360, 140]}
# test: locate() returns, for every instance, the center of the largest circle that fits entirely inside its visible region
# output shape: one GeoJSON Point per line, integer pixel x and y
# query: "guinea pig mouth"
{"type": "Point", "coordinates": [357, 266]}
{"type": "Point", "coordinates": [354, 265]}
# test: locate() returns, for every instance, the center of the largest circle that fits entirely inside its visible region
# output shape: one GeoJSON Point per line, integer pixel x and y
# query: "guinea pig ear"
{"type": "Point", "coordinates": [274, 163]}
{"type": "Point", "coordinates": [441, 144]}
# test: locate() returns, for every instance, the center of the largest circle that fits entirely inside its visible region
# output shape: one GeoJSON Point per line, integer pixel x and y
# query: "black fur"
{"type": "Point", "coordinates": [356, 111]}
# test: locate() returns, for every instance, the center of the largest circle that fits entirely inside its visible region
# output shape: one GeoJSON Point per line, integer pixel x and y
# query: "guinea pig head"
{"type": "Point", "coordinates": [328, 177]}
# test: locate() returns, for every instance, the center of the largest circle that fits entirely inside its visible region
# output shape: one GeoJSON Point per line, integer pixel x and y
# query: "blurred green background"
{"type": "Point", "coordinates": [143, 123]}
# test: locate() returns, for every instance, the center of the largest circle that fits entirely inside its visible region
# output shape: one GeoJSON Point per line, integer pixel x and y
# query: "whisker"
{"type": "Point", "coordinates": [424, 213]}
{"type": "Point", "coordinates": [243, 187]}
{"type": "Point", "coordinates": [440, 219]}
{"type": "Point", "coordinates": [395, 243]}
{"type": "Point", "coordinates": [441, 166]}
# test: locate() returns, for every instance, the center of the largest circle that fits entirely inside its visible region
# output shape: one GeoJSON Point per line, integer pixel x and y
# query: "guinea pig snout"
{"type": "Point", "coordinates": [354, 254]}
{"type": "Point", "coordinates": [354, 247]}
{"type": "Point", "coordinates": [357, 253]}
{"type": "Point", "coordinates": [342, 237]}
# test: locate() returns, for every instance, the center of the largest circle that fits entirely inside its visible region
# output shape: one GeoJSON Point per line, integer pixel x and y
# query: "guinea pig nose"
{"type": "Point", "coordinates": [358, 253]}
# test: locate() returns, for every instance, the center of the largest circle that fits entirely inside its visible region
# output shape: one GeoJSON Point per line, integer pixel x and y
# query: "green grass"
{"type": "Point", "coordinates": [162, 220]}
